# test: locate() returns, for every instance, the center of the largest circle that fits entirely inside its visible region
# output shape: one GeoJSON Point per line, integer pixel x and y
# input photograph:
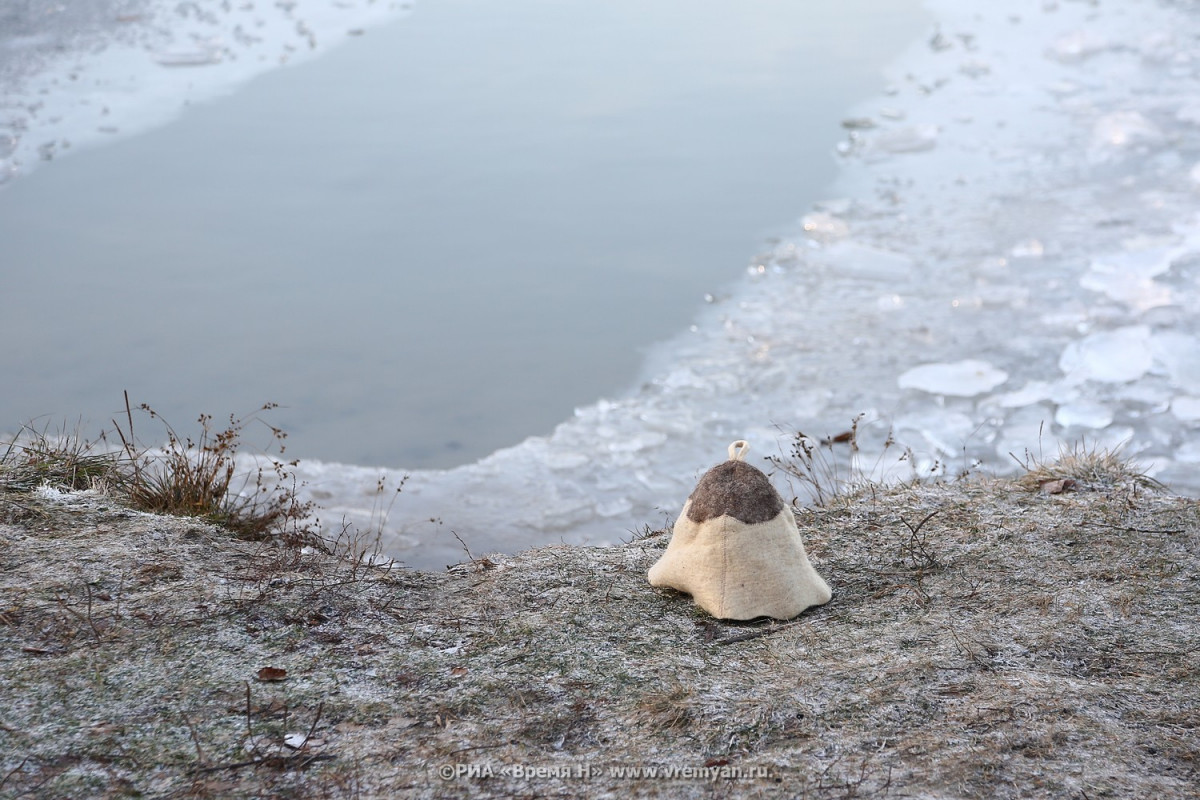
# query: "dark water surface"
{"type": "Point", "coordinates": [440, 237]}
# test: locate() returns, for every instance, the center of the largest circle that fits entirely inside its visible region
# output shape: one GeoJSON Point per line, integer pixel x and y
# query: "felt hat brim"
{"type": "Point", "coordinates": [734, 570]}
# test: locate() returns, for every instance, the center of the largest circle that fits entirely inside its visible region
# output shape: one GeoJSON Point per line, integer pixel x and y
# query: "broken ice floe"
{"type": "Point", "coordinates": [824, 227]}
{"type": "Point", "coordinates": [1077, 46]}
{"type": "Point", "coordinates": [1084, 413]}
{"type": "Point", "coordinates": [1114, 133]}
{"type": "Point", "coordinates": [1129, 277]}
{"type": "Point", "coordinates": [1036, 392]}
{"type": "Point", "coordinates": [851, 259]}
{"type": "Point", "coordinates": [909, 139]}
{"type": "Point", "coordinates": [965, 378]}
{"type": "Point", "coordinates": [1030, 248]}
{"type": "Point", "coordinates": [1113, 356]}
{"type": "Point", "coordinates": [188, 58]}
{"type": "Point", "coordinates": [1179, 355]}
{"type": "Point", "coordinates": [1186, 408]}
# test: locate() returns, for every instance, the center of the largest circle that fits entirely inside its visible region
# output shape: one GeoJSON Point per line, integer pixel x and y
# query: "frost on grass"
{"type": "Point", "coordinates": [984, 639]}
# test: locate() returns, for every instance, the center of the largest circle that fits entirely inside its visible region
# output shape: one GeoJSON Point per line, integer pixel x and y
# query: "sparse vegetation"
{"type": "Point", "coordinates": [64, 461]}
{"type": "Point", "coordinates": [1083, 466]}
{"type": "Point", "coordinates": [982, 641]}
{"type": "Point", "coordinates": [832, 466]}
{"type": "Point", "coordinates": [184, 476]}
{"type": "Point", "coordinates": [198, 478]}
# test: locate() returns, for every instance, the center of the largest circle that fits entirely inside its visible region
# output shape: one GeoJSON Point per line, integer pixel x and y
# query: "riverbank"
{"type": "Point", "coordinates": [985, 638]}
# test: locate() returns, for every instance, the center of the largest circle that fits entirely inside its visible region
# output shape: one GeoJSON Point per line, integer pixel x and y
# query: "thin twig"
{"type": "Point", "coordinates": [1128, 529]}
{"type": "Point", "coordinates": [13, 771]}
{"type": "Point", "coordinates": [313, 727]}
{"type": "Point", "coordinates": [195, 737]}
{"type": "Point", "coordinates": [466, 549]}
{"type": "Point", "coordinates": [745, 637]}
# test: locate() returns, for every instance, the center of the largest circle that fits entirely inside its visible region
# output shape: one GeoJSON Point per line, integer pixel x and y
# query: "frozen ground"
{"type": "Point", "coordinates": [1011, 260]}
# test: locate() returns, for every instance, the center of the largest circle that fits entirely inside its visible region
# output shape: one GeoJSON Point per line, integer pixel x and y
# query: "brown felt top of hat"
{"type": "Point", "coordinates": [737, 489]}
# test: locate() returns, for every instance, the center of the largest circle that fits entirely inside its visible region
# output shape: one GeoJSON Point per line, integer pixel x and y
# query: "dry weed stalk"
{"type": "Point", "coordinates": [825, 475]}
{"type": "Point", "coordinates": [198, 478]}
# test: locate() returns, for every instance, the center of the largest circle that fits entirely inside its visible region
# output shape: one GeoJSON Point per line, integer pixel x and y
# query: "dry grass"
{"type": "Point", "coordinates": [833, 467]}
{"type": "Point", "coordinates": [982, 641]}
{"type": "Point", "coordinates": [64, 460]}
{"type": "Point", "coordinates": [198, 478]}
{"type": "Point", "coordinates": [186, 476]}
{"type": "Point", "coordinates": [1085, 466]}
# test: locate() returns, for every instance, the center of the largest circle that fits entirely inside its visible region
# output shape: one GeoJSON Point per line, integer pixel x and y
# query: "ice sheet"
{"type": "Point", "coordinates": [79, 74]}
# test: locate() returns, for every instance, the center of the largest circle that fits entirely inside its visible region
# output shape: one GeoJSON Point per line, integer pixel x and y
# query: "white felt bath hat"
{"type": "Point", "coordinates": [736, 550]}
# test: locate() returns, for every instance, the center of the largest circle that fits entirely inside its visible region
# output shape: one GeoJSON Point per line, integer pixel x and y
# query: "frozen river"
{"type": "Point", "coordinates": [428, 232]}
{"type": "Point", "coordinates": [1008, 258]}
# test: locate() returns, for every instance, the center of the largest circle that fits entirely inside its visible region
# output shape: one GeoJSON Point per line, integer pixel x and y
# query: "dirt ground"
{"type": "Point", "coordinates": [985, 639]}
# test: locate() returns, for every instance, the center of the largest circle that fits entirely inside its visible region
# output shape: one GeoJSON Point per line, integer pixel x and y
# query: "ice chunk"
{"type": "Point", "coordinates": [1156, 398]}
{"type": "Point", "coordinates": [1189, 113]}
{"type": "Point", "coordinates": [1189, 452]}
{"type": "Point", "coordinates": [1030, 248]}
{"type": "Point", "coordinates": [1186, 408]}
{"type": "Point", "coordinates": [1128, 278]}
{"type": "Point", "coordinates": [824, 227]}
{"type": "Point", "coordinates": [851, 259]}
{"type": "Point", "coordinates": [564, 459]}
{"type": "Point", "coordinates": [1158, 46]}
{"type": "Point", "coordinates": [1122, 129]}
{"type": "Point", "coordinates": [200, 57]}
{"type": "Point", "coordinates": [296, 740]}
{"type": "Point", "coordinates": [1110, 356]}
{"type": "Point", "coordinates": [965, 378]}
{"type": "Point", "coordinates": [945, 432]}
{"type": "Point", "coordinates": [1084, 413]}
{"type": "Point", "coordinates": [1032, 392]}
{"type": "Point", "coordinates": [1179, 354]}
{"type": "Point", "coordinates": [637, 442]}
{"type": "Point", "coordinates": [974, 68]}
{"type": "Point", "coordinates": [1076, 46]}
{"type": "Point", "coordinates": [910, 139]}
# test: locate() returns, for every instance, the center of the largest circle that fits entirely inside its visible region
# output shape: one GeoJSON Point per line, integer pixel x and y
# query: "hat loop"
{"type": "Point", "coordinates": [738, 450]}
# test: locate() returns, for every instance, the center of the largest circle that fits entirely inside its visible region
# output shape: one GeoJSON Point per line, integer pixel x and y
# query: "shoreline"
{"type": "Point", "coordinates": [984, 640]}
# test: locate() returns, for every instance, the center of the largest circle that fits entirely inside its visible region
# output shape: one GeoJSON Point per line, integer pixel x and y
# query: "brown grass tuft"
{"type": "Point", "coordinates": [1089, 467]}
{"type": "Point", "coordinates": [64, 461]}
{"type": "Point", "coordinates": [198, 478]}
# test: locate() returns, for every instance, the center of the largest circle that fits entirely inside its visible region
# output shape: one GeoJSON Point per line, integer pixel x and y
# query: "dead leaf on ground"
{"type": "Point", "coordinates": [1059, 486]}
{"type": "Point", "coordinates": [272, 674]}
